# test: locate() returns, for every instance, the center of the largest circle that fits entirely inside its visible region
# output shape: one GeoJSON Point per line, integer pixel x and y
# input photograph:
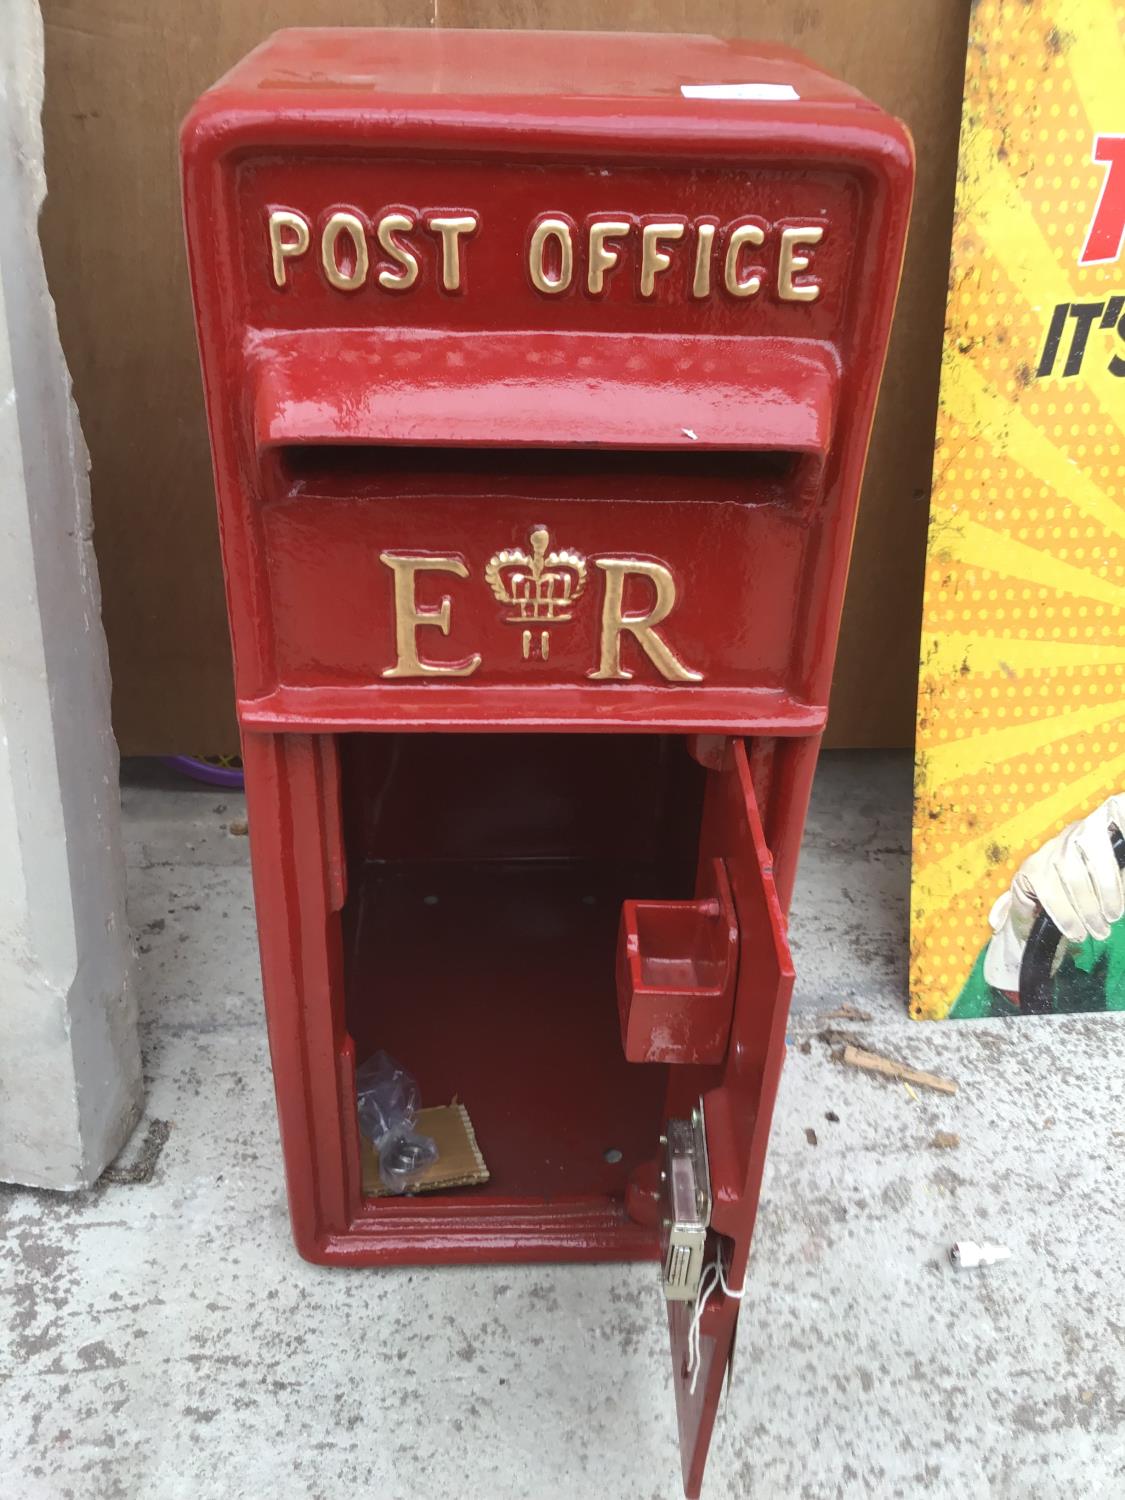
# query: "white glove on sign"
{"type": "Point", "coordinates": [1076, 880]}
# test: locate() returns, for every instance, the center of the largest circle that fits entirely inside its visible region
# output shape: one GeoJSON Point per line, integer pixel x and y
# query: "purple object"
{"type": "Point", "coordinates": [217, 770]}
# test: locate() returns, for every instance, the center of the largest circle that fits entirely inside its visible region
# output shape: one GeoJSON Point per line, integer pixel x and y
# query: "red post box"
{"type": "Point", "coordinates": [539, 370]}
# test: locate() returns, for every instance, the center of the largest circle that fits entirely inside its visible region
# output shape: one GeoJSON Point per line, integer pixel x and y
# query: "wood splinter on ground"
{"type": "Point", "coordinates": [874, 1062]}
{"type": "Point", "coordinates": [847, 1012]}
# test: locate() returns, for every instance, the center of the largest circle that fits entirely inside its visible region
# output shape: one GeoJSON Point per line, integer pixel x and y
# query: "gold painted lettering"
{"type": "Point", "coordinates": [451, 228]}
{"type": "Point", "coordinates": [653, 258]}
{"type": "Point", "coordinates": [602, 257]}
{"type": "Point", "coordinates": [284, 221]}
{"type": "Point", "coordinates": [701, 281]}
{"type": "Point", "coordinates": [789, 263]}
{"type": "Point", "coordinates": [349, 224]}
{"type": "Point", "coordinates": [406, 260]}
{"type": "Point", "coordinates": [559, 231]}
{"type": "Point", "coordinates": [641, 626]}
{"type": "Point", "coordinates": [745, 234]}
{"type": "Point", "coordinates": [410, 615]}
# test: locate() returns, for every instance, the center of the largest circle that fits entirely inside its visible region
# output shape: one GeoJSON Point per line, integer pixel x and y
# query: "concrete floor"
{"type": "Point", "coordinates": [166, 1341]}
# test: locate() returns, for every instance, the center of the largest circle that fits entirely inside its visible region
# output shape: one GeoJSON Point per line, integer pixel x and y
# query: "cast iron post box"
{"type": "Point", "coordinates": [540, 370]}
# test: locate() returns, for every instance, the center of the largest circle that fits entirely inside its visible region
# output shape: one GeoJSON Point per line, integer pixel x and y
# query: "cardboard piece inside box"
{"type": "Point", "coordinates": [459, 1163]}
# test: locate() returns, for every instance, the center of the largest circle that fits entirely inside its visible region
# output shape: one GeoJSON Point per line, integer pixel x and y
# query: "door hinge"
{"type": "Point", "coordinates": [685, 1189]}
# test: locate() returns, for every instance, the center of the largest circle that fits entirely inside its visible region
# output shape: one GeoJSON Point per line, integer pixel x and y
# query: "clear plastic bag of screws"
{"type": "Point", "coordinates": [387, 1101]}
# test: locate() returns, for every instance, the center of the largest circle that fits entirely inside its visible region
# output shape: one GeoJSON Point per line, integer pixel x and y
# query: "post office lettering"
{"type": "Point", "coordinates": [357, 251]}
{"type": "Point", "coordinates": [399, 249]}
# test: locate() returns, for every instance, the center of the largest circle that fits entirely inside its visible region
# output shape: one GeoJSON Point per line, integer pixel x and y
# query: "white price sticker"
{"type": "Point", "coordinates": [761, 91]}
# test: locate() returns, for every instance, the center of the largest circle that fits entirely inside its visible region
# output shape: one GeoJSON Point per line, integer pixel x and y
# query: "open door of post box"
{"type": "Point", "coordinates": [735, 1100]}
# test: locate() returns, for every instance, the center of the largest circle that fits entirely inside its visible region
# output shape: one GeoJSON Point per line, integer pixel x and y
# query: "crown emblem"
{"type": "Point", "coordinates": [540, 587]}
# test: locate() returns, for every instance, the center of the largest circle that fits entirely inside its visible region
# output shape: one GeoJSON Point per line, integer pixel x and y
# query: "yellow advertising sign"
{"type": "Point", "coordinates": [1022, 688]}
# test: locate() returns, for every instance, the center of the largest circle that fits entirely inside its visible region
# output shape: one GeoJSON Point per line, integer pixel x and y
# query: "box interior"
{"type": "Point", "coordinates": [486, 875]}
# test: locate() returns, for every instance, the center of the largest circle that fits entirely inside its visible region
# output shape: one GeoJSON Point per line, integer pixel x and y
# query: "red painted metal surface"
{"type": "Point", "coordinates": [738, 1095]}
{"type": "Point", "coordinates": [539, 373]}
{"type": "Point", "coordinates": [676, 968]}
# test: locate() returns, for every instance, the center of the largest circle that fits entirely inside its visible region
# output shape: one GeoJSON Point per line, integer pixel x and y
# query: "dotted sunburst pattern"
{"type": "Point", "coordinates": [1022, 685]}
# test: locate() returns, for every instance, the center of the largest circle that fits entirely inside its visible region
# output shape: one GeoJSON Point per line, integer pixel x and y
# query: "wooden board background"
{"type": "Point", "coordinates": [120, 76]}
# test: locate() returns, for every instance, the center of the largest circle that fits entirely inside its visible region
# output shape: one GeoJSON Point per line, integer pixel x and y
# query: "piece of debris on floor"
{"type": "Point", "coordinates": [847, 1012]}
{"type": "Point", "coordinates": [831, 1116]}
{"type": "Point", "coordinates": [967, 1256]}
{"type": "Point", "coordinates": [838, 1040]}
{"type": "Point", "coordinates": [810, 1136]}
{"type": "Point", "coordinates": [143, 1165]}
{"type": "Point", "coordinates": [239, 827]}
{"type": "Point", "coordinates": [875, 1062]}
{"type": "Point", "coordinates": [944, 1140]}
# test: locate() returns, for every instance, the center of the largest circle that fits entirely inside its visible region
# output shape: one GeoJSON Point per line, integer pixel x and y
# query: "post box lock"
{"type": "Point", "coordinates": [685, 1185]}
